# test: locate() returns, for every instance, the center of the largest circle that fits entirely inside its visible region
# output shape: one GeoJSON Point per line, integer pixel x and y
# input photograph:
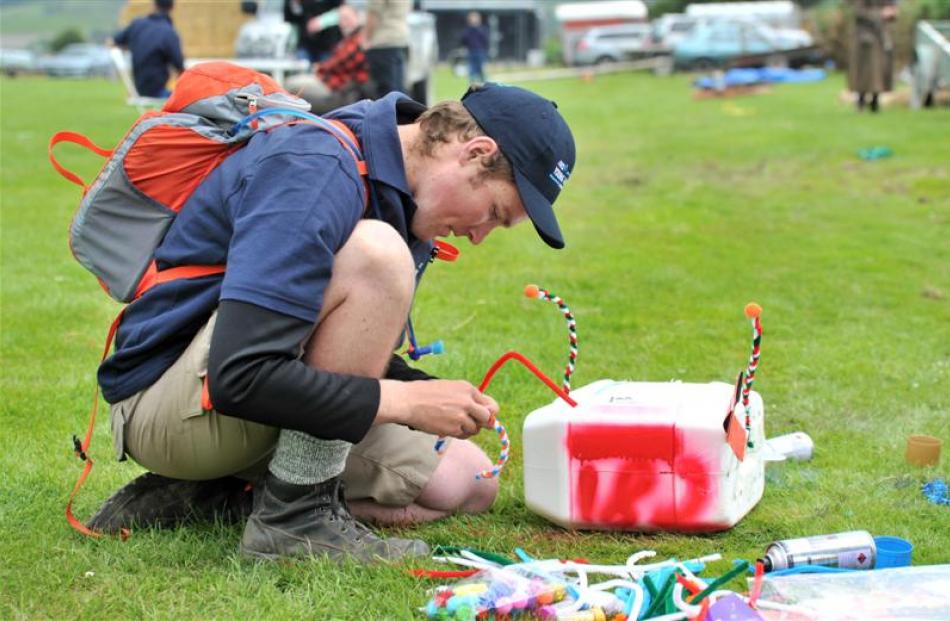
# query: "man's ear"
{"type": "Point", "coordinates": [477, 148]}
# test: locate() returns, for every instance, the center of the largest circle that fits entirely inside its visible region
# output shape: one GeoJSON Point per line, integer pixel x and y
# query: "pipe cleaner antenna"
{"type": "Point", "coordinates": [534, 291]}
{"type": "Point", "coordinates": [754, 312]}
{"type": "Point", "coordinates": [495, 470]}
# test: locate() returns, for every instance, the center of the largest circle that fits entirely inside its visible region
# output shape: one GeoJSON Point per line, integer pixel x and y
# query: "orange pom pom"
{"type": "Point", "coordinates": [532, 291]}
{"type": "Point", "coordinates": [752, 310]}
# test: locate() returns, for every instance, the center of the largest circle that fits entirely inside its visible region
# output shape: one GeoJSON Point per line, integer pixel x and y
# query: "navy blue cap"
{"type": "Point", "coordinates": [536, 140]}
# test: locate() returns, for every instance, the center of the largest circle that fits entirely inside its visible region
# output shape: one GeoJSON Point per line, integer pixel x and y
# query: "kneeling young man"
{"type": "Point", "coordinates": [282, 371]}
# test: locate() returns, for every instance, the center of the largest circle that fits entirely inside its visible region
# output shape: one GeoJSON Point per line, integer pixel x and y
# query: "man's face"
{"type": "Point", "coordinates": [454, 199]}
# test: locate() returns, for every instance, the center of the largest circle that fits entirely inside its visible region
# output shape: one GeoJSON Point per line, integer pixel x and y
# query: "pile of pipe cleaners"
{"type": "Point", "coordinates": [494, 587]}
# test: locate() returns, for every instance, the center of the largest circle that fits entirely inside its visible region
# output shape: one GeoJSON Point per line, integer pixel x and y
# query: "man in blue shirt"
{"type": "Point", "coordinates": [154, 45]}
{"type": "Point", "coordinates": [282, 370]}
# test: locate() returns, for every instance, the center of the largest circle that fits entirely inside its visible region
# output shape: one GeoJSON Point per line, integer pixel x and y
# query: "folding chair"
{"type": "Point", "coordinates": [123, 69]}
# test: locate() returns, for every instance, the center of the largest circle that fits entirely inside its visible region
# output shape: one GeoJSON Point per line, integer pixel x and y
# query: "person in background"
{"type": "Point", "coordinates": [341, 79]}
{"type": "Point", "coordinates": [387, 44]}
{"type": "Point", "coordinates": [317, 30]}
{"type": "Point", "coordinates": [475, 40]}
{"type": "Point", "coordinates": [155, 46]}
{"type": "Point", "coordinates": [871, 64]}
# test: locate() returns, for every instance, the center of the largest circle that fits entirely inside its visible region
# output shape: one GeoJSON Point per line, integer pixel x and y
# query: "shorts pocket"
{"type": "Point", "coordinates": [119, 417]}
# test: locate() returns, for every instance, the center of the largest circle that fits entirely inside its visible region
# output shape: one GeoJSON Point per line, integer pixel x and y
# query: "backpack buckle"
{"type": "Point", "coordinates": [77, 447]}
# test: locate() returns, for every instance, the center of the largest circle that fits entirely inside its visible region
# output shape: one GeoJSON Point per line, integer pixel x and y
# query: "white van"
{"type": "Point", "coordinates": [671, 28]}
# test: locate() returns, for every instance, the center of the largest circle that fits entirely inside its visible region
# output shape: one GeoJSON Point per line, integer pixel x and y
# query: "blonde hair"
{"type": "Point", "coordinates": [449, 120]}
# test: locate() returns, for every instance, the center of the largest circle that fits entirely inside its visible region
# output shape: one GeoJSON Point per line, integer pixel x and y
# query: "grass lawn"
{"type": "Point", "coordinates": [679, 213]}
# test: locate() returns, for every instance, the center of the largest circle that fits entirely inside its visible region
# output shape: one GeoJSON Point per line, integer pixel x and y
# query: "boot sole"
{"type": "Point", "coordinates": [254, 555]}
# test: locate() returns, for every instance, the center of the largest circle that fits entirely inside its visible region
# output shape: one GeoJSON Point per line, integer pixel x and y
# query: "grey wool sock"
{"type": "Point", "coordinates": [305, 460]}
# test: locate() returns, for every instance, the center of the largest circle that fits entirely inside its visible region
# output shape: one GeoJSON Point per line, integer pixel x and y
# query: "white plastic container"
{"type": "Point", "coordinates": [643, 456]}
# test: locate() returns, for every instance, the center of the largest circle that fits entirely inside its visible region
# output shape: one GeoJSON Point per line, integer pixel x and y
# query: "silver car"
{"type": "Point", "coordinates": [13, 62]}
{"type": "Point", "coordinates": [613, 43]}
{"type": "Point", "coordinates": [79, 60]}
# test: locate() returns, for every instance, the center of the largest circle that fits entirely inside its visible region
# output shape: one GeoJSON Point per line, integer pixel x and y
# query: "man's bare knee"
{"type": "Point", "coordinates": [453, 487]}
{"type": "Point", "coordinates": [376, 256]}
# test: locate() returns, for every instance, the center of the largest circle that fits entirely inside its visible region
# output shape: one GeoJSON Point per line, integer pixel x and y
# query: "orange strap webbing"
{"type": "Point", "coordinates": [82, 447]}
{"type": "Point", "coordinates": [152, 277]}
{"type": "Point", "coordinates": [81, 141]}
{"type": "Point", "coordinates": [360, 163]}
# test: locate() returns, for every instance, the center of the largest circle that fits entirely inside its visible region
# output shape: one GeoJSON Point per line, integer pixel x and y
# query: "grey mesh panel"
{"type": "Point", "coordinates": [118, 235]}
{"type": "Point", "coordinates": [116, 229]}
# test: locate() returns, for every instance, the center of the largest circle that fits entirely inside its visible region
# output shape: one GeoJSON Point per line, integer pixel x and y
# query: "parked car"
{"type": "Point", "coordinates": [13, 62]}
{"type": "Point", "coordinates": [79, 60]}
{"type": "Point", "coordinates": [612, 44]}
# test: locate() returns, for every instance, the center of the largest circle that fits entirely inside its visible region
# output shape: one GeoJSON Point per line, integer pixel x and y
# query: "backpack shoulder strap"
{"type": "Point", "coordinates": [356, 153]}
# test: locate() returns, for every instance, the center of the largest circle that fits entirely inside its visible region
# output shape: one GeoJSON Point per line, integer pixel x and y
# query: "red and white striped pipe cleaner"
{"type": "Point", "coordinates": [495, 470]}
{"type": "Point", "coordinates": [753, 311]}
{"type": "Point", "coordinates": [534, 291]}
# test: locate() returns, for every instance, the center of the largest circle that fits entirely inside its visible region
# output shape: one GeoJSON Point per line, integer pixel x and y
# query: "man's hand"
{"type": "Point", "coordinates": [442, 407]}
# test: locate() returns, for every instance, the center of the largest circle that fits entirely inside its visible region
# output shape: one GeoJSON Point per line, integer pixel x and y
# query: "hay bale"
{"type": "Point", "coordinates": [208, 28]}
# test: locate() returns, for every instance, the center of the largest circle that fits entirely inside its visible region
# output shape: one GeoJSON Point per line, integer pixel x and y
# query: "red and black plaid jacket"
{"type": "Point", "coordinates": [346, 64]}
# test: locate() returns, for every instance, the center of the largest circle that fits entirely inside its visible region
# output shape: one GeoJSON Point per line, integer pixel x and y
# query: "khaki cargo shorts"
{"type": "Point", "coordinates": [165, 429]}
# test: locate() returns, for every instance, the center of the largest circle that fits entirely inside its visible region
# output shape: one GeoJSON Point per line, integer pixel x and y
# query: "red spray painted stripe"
{"type": "Point", "coordinates": [623, 477]}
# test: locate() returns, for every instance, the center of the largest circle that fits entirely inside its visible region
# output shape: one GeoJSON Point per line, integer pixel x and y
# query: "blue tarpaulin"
{"type": "Point", "coordinates": [764, 75]}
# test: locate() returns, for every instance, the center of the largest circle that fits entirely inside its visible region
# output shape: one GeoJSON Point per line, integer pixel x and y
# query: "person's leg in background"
{"type": "Point", "coordinates": [387, 69]}
{"type": "Point", "coordinates": [476, 67]}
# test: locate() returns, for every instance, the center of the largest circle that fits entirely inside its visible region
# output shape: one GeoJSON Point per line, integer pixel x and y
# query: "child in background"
{"type": "Point", "coordinates": [475, 40]}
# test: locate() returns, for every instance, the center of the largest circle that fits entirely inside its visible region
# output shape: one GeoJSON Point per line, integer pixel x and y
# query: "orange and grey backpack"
{"type": "Point", "coordinates": [152, 172]}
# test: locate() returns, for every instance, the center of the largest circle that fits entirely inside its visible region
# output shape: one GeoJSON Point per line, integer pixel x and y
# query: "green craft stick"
{"type": "Point", "coordinates": [721, 580]}
{"type": "Point", "coordinates": [648, 582]}
{"type": "Point", "coordinates": [489, 556]}
{"type": "Point", "coordinates": [661, 597]}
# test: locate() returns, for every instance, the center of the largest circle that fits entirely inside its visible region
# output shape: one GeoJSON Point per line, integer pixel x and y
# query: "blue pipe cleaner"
{"type": "Point", "coordinates": [936, 492]}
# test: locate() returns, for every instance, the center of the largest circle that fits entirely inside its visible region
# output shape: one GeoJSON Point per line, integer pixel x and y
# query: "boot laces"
{"type": "Point", "coordinates": [339, 510]}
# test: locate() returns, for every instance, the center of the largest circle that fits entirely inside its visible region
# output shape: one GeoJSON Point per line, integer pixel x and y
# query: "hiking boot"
{"type": "Point", "coordinates": [311, 521]}
{"type": "Point", "coordinates": [154, 501]}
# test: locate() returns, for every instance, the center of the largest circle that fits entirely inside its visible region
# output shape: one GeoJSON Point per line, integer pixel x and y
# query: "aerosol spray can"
{"type": "Point", "coordinates": [852, 550]}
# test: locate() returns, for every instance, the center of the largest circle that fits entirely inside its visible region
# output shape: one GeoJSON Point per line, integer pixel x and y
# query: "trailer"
{"type": "Point", "coordinates": [931, 65]}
